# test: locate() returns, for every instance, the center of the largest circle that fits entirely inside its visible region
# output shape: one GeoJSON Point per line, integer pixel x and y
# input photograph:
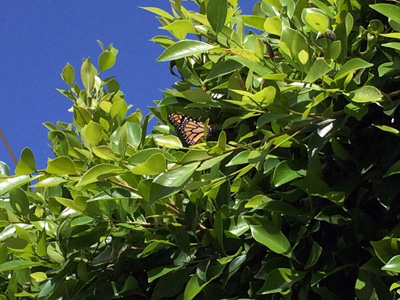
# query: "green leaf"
{"type": "Point", "coordinates": [273, 25]}
{"type": "Point", "coordinates": [240, 158]}
{"type": "Point", "coordinates": [106, 60]}
{"type": "Point", "coordinates": [10, 183]}
{"type": "Point", "coordinates": [194, 286]}
{"type": "Point", "coordinates": [13, 265]}
{"type": "Point", "coordinates": [87, 75]}
{"type": "Point", "coordinates": [222, 68]}
{"type": "Point", "coordinates": [169, 141]}
{"type": "Point", "coordinates": [183, 49]}
{"type": "Point", "coordinates": [216, 14]}
{"type": "Point", "coordinates": [176, 177]}
{"type": "Point", "coordinates": [68, 74]}
{"type": "Point", "coordinates": [158, 11]}
{"type": "Point", "coordinates": [351, 66]}
{"type": "Point", "coordinates": [93, 132]}
{"type": "Point", "coordinates": [279, 280]}
{"type": "Point", "coordinates": [4, 169]}
{"type": "Point", "coordinates": [315, 19]}
{"type": "Point", "coordinates": [19, 201]}
{"type": "Point", "coordinates": [389, 10]}
{"type": "Point", "coordinates": [272, 238]}
{"type": "Point", "coordinates": [104, 152]}
{"type": "Point", "coordinates": [393, 264]}
{"type": "Point", "coordinates": [98, 173]}
{"type": "Point", "coordinates": [154, 165]}
{"type": "Point", "coordinates": [133, 133]}
{"type": "Point", "coordinates": [394, 169]}
{"type": "Point", "coordinates": [26, 163]}
{"type": "Point", "coordinates": [197, 95]}
{"type": "Point", "coordinates": [317, 70]}
{"type": "Point", "coordinates": [366, 94]}
{"type": "Point", "coordinates": [254, 66]}
{"type": "Point", "coordinates": [254, 21]}
{"type": "Point", "coordinates": [213, 161]}
{"type": "Point", "coordinates": [284, 173]}
{"type": "Point", "coordinates": [164, 288]}
{"type": "Point", "coordinates": [392, 45]}
{"type": "Point", "coordinates": [158, 272]}
{"type": "Point", "coordinates": [180, 28]}
{"type": "Point", "coordinates": [315, 253]}
{"type": "Point", "coordinates": [386, 248]}
{"type": "Point", "coordinates": [62, 165]}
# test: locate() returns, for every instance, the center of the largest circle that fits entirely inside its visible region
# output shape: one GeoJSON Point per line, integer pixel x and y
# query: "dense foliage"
{"type": "Point", "coordinates": [295, 197]}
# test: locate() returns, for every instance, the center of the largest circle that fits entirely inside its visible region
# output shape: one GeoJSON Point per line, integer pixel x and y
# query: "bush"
{"type": "Point", "coordinates": [295, 196]}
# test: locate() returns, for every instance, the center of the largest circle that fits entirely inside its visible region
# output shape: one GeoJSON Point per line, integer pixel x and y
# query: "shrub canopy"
{"type": "Point", "coordinates": [294, 197]}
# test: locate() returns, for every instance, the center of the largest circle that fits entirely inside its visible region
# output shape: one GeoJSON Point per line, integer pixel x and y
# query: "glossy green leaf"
{"type": "Point", "coordinates": [351, 66]}
{"type": "Point", "coordinates": [254, 21]}
{"type": "Point", "coordinates": [154, 165]}
{"type": "Point", "coordinates": [158, 272]}
{"type": "Point", "coordinates": [315, 19]}
{"type": "Point", "coordinates": [284, 173]}
{"type": "Point", "coordinates": [87, 75]}
{"type": "Point", "coordinates": [279, 280]}
{"type": "Point", "coordinates": [194, 286]}
{"type": "Point", "coordinates": [93, 132]}
{"type": "Point", "coordinates": [177, 177]}
{"type": "Point", "coordinates": [62, 165]}
{"type": "Point", "coordinates": [8, 184]}
{"type": "Point", "coordinates": [51, 181]}
{"type": "Point", "coordinates": [104, 152]}
{"type": "Point", "coordinates": [183, 49]}
{"type": "Point", "coordinates": [386, 248]}
{"type": "Point", "coordinates": [19, 201]}
{"type": "Point", "coordinates": [240, 158]}
{"type": "Point", "coordinates": [68, 74]}
{"type": "Point", "coordinates": [272, 238]}
{"type": "Point", "coordinates": [213, 161]}
{"type": "Point", "coordinates": [13, 265]}
{"type": "Point", "coordinates": [169, 141]}
{"type": "Point", "coordinates": [180, 28]}
{"type": "Point", "coordinates": [317, 70]}
{"type": "Point", "coordinates": [389, 10]}
{"type": "Point", "coordinates": [315, 253]}
{"type": "Point", "coordinates": [394, 169]}
{"type": "Point", "coordinates": [216, 14]}
{"type": "Point", "coordinates": [366, 94]}
{"type": "Point", "coordinates": [197, 95]}
{"type": "Point", "coordinates": [106, 60]}
{"type": "Point", "coordinates": [4, 169]}
{"type": "Point", "coordinates": [164, 289]}
{"type": "Point", "coordinates": [393, 264]}
{"type": "Point", "coordinates": [98, 173]}
{"type": "Point", "coordinates": [392, 45]}
{"type": "Point", "coordinates": [222, 68]}
{"type": "Point", "coordinates": [159, 12]}
{"type": "Point", "coordinates": [273, 25]}
{"type": "Point", "coordinates": [26, 163]}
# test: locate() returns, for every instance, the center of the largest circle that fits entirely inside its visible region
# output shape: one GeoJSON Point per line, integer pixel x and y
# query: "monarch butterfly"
{"type": "Point", "coordinates": [191, 128]}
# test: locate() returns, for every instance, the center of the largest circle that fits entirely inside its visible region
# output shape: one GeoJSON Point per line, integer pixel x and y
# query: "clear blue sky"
{"type": "Point", "coordinates": [37, 38]}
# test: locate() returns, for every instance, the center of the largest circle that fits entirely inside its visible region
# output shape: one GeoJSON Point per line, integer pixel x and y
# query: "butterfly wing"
{"type": "Point", "coordinates": [192, 129]}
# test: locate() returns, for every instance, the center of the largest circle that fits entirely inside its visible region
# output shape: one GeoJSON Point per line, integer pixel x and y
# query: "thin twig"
{"type": "Point", "coordinates": [9, 150]}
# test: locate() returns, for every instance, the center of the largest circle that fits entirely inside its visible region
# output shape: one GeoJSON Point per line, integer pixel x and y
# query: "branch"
{"type": "Point", "coordinates": [9, 150]}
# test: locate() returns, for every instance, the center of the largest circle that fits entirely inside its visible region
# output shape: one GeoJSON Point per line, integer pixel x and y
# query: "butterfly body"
{"type": "Point", "coordinates": [191, 129]}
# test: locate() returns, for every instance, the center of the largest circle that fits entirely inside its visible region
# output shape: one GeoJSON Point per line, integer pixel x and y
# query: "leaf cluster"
{"type": "Point", "coordinates": [296, 197]}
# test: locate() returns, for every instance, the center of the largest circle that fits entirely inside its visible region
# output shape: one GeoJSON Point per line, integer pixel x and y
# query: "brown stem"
{"type": "Point", "coordinates": [393, 94]}
{"type": "Point", "coordinates": [9, 150]}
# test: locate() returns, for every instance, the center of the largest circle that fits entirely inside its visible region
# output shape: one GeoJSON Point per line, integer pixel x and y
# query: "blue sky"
{"type": "Point", "coordinates": [39, 37]}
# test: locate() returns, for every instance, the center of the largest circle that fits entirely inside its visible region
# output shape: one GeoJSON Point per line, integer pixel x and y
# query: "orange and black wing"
{"type": "Point", "coordinates": [191, 128]}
